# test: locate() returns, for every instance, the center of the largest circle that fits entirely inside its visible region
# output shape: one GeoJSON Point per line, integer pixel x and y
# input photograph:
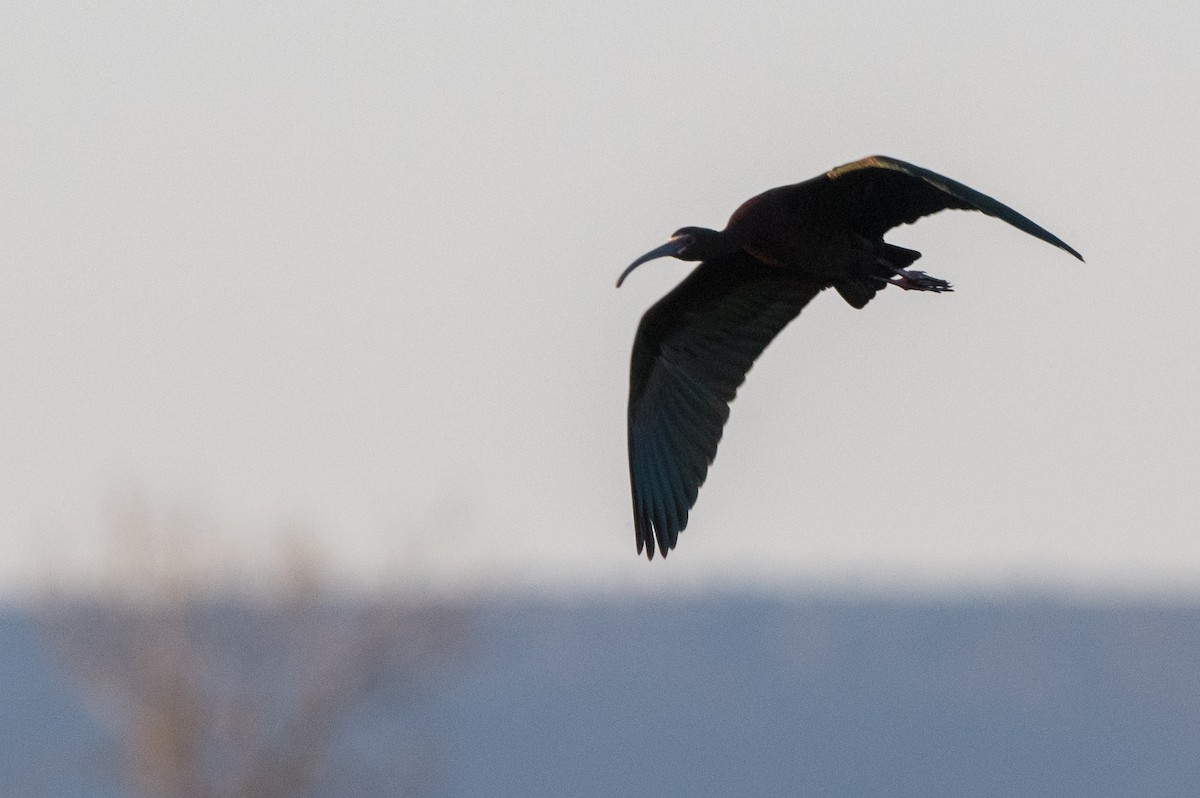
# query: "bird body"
{"type": "Point", "coordinates": [779, 250]}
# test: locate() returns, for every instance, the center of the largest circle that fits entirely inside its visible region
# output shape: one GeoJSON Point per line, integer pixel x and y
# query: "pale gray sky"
{"type": "Point", "coordinates": [352, 264]}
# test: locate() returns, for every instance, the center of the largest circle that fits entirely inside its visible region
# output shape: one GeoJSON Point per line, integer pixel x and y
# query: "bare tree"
{"type": "Point", "coordinates": [227, 695]}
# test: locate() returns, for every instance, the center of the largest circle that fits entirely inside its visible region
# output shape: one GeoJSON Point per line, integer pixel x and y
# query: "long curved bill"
{"type": "Point", "coordinates": [672, 248]}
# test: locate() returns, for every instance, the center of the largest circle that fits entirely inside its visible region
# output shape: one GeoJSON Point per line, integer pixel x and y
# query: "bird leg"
{"type": "Point", "coordinates": [913, 280]}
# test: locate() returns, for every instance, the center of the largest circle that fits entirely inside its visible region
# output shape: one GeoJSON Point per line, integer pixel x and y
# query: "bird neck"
{"type": "Point", "coordinates": [710, 244]}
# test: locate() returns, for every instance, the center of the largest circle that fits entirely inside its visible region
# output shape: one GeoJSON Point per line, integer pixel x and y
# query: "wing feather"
{"type": "Point", "coordinates": [884, 192]}
{"type": "Point", "coordinates": [691, 353]}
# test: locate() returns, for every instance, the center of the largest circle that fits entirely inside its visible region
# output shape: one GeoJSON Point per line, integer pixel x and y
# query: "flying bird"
{"type": "Point", "coordinates": [778, 251]}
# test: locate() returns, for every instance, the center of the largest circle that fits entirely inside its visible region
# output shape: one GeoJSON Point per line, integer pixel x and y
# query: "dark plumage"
{"type": "Point", "coordinates": [779, 250]}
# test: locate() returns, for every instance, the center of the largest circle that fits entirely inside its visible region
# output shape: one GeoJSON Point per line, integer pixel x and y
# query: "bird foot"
{"type": "Point", "coordinates": [913, 280]}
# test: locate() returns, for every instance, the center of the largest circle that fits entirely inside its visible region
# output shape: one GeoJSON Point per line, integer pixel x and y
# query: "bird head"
{"type": "Point", "coordinates": [686, 243]}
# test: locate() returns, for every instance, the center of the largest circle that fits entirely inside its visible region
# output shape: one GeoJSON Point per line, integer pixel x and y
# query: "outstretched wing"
{"type": "Point", "coordinates": [692, 351]}
{"type": "Point", "coordinates": [883, 192]}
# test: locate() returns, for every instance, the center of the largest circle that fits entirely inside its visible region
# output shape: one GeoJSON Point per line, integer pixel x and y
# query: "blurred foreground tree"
{"type": "Point", "coordinates": [227, 693]}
